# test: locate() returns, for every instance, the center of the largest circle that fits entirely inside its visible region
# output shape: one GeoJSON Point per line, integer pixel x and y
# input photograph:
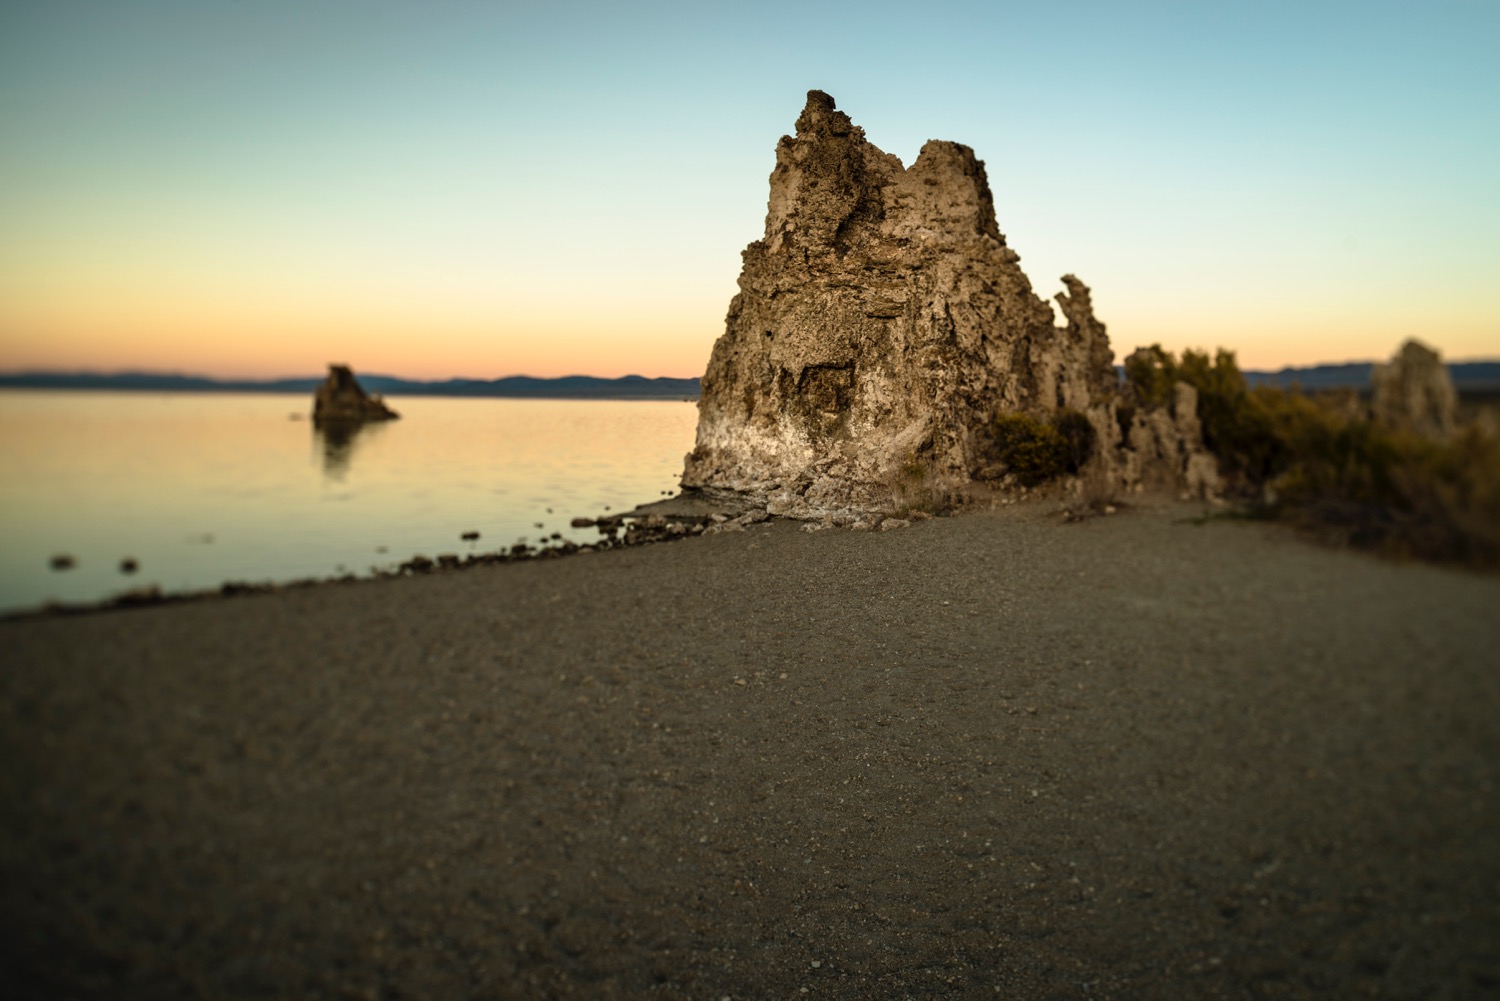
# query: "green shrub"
{"type": "Point", "coordinates": [1035, 451]}
{"type": "Point", "coordinates": [1395, 492]}
{"type": "Point", "coordinates": [1335, 472]}
{"type": "Point", "coordinates": [1150, 374]}
{"type": "Point", "coordinates": [1078, 438]}
{"type": "Point", "coordinates": [913, 488]}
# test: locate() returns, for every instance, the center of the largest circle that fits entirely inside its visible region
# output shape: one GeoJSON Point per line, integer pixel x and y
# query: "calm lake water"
{"type": "Point", "coordinates": [200, 489]}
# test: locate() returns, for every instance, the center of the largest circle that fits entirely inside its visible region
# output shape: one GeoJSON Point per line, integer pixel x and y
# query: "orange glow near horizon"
{"type": "Point", "coordinates": [225, 333]}
{"type": "Point", "coordinates": [235, 352]}
{"type": "Point", "coordinates": [434, 357]}
{"type": "Point", "coordinates": [228, 333]}
{"type": "Point", "coordinates": [78, 294]}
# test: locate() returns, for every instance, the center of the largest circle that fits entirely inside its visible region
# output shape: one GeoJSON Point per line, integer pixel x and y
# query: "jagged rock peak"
{"type": "Point", "coordinates": [340, 398]}
{"type": "Point", "coordinates": [1414, 392]}
{"type": "Point", "coordinates": [832, 188]}
{"type": "Point", "coordinates": [1088, 333]}
{"type": "Point", "coordinates": [821, 114]}
{"type": "Point", "coordinates": [881, 324]}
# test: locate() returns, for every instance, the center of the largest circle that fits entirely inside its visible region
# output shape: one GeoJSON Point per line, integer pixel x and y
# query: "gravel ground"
{"type": "Point", "coordinates": [985, 756]}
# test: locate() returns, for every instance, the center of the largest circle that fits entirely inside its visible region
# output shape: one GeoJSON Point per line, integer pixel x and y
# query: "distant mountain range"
{"type": "Point", "coordinates": [1473, 376]}
{"type": "Point", "coordinates": [572, 387]}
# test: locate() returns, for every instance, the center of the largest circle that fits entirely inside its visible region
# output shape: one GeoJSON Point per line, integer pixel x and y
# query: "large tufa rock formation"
{"type": "Point", "coordinates": [881, 324]}
{"type": "Point", "coordinates": [340, 399]}
{"type": "Point", "coordinates": [1414, 392]}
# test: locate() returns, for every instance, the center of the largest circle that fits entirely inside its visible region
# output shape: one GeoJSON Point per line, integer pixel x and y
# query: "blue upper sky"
{"type": "Point", "coordinates": [463, 188]}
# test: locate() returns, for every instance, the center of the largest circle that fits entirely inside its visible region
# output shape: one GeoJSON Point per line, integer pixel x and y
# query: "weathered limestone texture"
{"type": "Point", "coordinates": [881, 324]}
{"type": "Point", "coordinates": [341, 399]}
{"type": "Point", "coordinates": [1164, 449]}
{"type": "Point", "coordinates": [1161, 447]}
{"type": "Point", "coordinates": [1414, 392]}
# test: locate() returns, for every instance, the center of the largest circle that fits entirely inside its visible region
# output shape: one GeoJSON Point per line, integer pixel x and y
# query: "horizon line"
{"type": "Point", "coordinates": [178, 373]}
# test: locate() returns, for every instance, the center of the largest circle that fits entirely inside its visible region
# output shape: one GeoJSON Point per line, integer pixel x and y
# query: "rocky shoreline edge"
{"type": "Point", "coordinates": [685, 516]}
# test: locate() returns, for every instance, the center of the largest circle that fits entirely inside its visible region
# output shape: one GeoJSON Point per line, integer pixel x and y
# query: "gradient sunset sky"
{"type": "Point", "coordinates": [257, 187]}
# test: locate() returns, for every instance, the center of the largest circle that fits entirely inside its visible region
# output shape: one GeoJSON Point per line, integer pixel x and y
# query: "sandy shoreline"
{"type": "Point", "coordinates": [986, 756]}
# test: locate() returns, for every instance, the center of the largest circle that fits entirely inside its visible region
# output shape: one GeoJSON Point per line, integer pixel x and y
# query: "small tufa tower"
{"type": "Point", "coordinates": [339, 399]}
{"type": "Point", "coordinates": [1414, 392]}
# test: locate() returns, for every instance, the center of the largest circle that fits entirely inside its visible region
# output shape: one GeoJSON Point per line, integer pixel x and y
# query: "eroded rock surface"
{"type": "Point", "coordinates": [1164, 449]}
{"type": "Point", "coordinates": [1414, 392]}
{"type": "Point", "coordinates": [341, 399]}
{"type": "Point", "coordinates": [882, 322]}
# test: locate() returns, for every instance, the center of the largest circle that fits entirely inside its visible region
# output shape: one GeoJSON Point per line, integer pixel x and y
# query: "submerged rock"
{"type": "Point", "coordinates": [341, 399]}
{"type": "Point", "coordinates": [1414, 392]}
{"type": "Point", "coordinates": [882, 324]}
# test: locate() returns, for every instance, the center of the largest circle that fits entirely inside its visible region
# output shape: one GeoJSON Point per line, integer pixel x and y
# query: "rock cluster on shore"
{"type": "Point", "coordinates": [341, 399]}
{"type": "Point", "coordinates": [881, 326]}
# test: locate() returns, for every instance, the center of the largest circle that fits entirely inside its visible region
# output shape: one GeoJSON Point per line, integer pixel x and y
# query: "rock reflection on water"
{"type": "Point", "coordinates": [337, 441]}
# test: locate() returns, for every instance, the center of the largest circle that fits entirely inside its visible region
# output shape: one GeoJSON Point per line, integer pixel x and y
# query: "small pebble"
{"type": "Point", "coordinates": [469, 536]}
{"type": "Point", "coordinates": [62, 561]}
{"type": "Point", "coordinates": [129, 565]}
